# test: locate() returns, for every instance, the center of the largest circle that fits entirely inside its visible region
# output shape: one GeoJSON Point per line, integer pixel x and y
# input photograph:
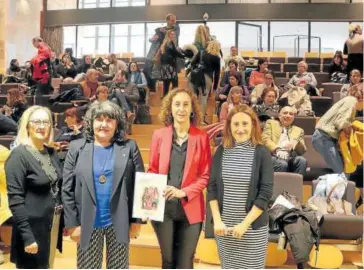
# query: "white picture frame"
{"type": "Point", "coordinates": [149, 202]}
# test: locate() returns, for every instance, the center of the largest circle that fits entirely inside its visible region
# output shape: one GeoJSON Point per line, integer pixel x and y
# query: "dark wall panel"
{"type": "Point", "coordinates": [221, 12]}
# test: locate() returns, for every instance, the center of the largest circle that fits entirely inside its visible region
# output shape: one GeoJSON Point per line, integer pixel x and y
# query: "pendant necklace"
{"type": "Point", "coordinates": [102, 177]}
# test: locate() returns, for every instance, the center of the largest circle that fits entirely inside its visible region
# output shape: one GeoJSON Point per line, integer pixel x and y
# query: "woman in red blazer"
{"type": "Point", "coordinates": [181, 151]}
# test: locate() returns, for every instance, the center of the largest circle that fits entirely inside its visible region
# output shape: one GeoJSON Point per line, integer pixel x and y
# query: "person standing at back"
{"type": "Point", "coordinates": [354, 49]}
{"type": "Point", "coordinates": [41, 67]}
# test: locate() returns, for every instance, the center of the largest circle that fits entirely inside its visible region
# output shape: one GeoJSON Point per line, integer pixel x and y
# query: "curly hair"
{"type": "Point", "coordinates": [202, 36]}
{"type": "Point", "coordinates": [213, 48]}
{"type": "Point", "coordinates": [15, 96]}
{"type": "Point", "coordinates": [107, 109]}
{"type": "Point", "coordinates": [165, 115]}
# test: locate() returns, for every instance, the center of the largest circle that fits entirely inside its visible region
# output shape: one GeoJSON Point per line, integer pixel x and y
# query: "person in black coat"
{"type": "Point", "coordinates": [337, 63]}
{"type": "Point", "coordinates": [107, 162]}
{"type": "Point", "coordinates": [167, 56]}
{"type": "Point", "coordinates": [86, 65]}
{"type": "Point", "coordinates": [67, 68]}
{"type": "Point", "coordinates": [16, 104]}
{"type": "Point", "coordinates": [34, 174]}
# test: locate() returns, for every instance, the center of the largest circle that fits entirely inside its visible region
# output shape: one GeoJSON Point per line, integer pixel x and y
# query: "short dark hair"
{"type": "Point", "coordinates": [75, 112]}
{"type": "Point", "coordinates": [236, 75]}
{"type": "Point", "coordinates": [232, 61]}
{"type": "Point", "coordinates": [108, 109]}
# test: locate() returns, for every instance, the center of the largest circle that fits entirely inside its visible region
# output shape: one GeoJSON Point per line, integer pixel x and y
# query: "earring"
{"type": "Point", "coordinates": [192, 115]}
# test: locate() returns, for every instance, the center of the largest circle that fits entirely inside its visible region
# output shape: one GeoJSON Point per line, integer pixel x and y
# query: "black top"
{"type": "Point", "coordinates": [32, 205]}
{"type": "Point", "coordinates": [175, 175]}
{"type": "Point", "coordinates": [18, 111]}
{"type": "Point", "coordinates": [67, 135]}
{"type": "Point", "coordinates": [335, 68]}
{"type": "Point", "coordinates": [170, 55]}
{"type": "Point", "coordinates": [211, 66]}
{"type": "Point", "coordinates": [260, 191]}
{"type": "Point", "coordinates": [67, 72]}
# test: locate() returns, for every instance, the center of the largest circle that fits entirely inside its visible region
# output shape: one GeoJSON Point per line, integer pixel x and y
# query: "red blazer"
{"type": "Point", "coordinates": [197, 167]}
{"type": "Point", "coordinates": [40, 65]}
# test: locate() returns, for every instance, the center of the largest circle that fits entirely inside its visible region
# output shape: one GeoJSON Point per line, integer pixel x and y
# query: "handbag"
{"type": "Point", "coordinates": [332, 206]}
{"type": "Point", "coordinates": [197, 75]}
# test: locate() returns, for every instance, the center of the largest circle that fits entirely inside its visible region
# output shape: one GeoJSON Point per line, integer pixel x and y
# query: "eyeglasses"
{"type": "Point", "coordinates": [38, 123]}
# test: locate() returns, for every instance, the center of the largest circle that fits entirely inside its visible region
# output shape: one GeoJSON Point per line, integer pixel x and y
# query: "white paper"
{"type": "Point", "coordinates": [149, 202]}
{"type": "Point", "coordinates": [283, 201]}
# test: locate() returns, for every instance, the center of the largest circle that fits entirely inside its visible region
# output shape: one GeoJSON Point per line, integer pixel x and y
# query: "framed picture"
{"type": "Point", "coordinates": [149, 201]}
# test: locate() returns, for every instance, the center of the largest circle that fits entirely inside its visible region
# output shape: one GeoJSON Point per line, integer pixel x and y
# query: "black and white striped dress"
{"type": "Point", "coordinates": [250, 250]}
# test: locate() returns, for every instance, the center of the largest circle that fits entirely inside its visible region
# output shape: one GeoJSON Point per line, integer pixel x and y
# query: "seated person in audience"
{"type": "Point", "coordinates": [336, 65]}
{"type": "Point", "coordinates": [54, 65]}
{"type": "Point", "coordinates": [297, 97]}
{"type": "Point", "coordinates": [257, 76]}
{"type": "Point", "coordinates": [269, 82]}
{"type": "Point", "coordinates": [86, 64]}
{"type": "Point", "coordinates": [115, 64]}
{"type": "Point", "coordinates": [233, 67]}
{"type": "Point", "coordinates": [74, 128]}
{"type": "Point", "coordinates": [269, 108]}
{"type": "Point", "coordinates": [28, 77]}
{"type": "Point", "coordinates": [102, 94]}
{"type": "Point", "coordinates": [285, 142]}
{"type": "Point", "coordinates": [304, 79]}
{"type": "Point", "coordinates": [338, 118]}
{"type": "Point", "coordinates": [222, 94]}
{"type": "Point", "coordinates": [355, 77]}
{"type": "Point", "coordinates": [69, 52]}
{"type": "Point", "coordinates": [138, 78]}
{"type": "Point", "coordinates": [128, 89]}
{"type": "Point", "coordinates": [15, 71]}
{"type": "Point", "coordinates": [234, 55]}
{"type": "Point", "coordinates": [66, 69]}
{"type": "Point", "coordinates": [16, 104]}
{"type": "Point", "coordinates": [7, 125]}
{"type": "Point", "coordinates": [90, 84]}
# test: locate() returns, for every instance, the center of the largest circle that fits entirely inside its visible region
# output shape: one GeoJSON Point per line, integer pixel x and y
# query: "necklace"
{"type": "Point", "coordinates": [102, 178]}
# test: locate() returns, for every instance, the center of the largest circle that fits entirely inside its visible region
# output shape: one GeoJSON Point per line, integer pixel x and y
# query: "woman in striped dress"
{"type": "Point", "coordinates": [240, 187]}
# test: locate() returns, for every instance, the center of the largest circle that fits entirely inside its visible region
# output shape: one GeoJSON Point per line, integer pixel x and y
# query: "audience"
{"type": "Point", "coordinates": [304, 79]}
{"type": "Point", "coordinates": [258, 90]}
{"type": "Point", "coordinates": [90, 84]}
{"type": "Point", "coordinates": [232, 67]}
{"type": "Point", "coordinates": [127, 89]}
{"type": "Point", "coordinates": [269, 108]}
{"type": "Point", "coordinates": [337, 63]}
{"type": "Point", "coordinates": [86, 64]}
{"type": "Point", "coordinates": [355, 77]}
{"type": "Point", "coordinates": [115, 64]}
{"type": "Point", "coordinates": [138, 78]}
{"type": "Point", "coordinates": [7, 125]}
{"type": "Point", "coordinates": [66, 68]}
{"type": "Point", "coordinates": [15, 70]}
{"type": "Point", "coordinates": [234, 55]}
{"type": "Point", "coordinates": [257, 76]}
{"type": "Point", "coordinates": [16, 104]}
{"type": "Point", "coordinates": [69, 52]}
{"type": "Point", "coordinates": [297, 97]}
{"type": "Point", "coordinates": [74, 127]}
{"type": "Point", "coordinates": [286, 142]}
{"type": "Point", "coordinates": [338, 118]}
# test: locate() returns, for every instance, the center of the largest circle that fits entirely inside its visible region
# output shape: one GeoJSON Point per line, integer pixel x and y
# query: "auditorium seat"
{"type": "Point", "coordinates": [330, 88]}
{"type": "Point", "coordinates": [313, 60]}
{"type": "Point", "coordinates": [336, 226]}
{"type": "Point", "coordinates": [314, 68]}
{"type": "Point", "coordinates": [2, 100]}
{"type": "Point", "coordinates": [325, 67]}
{"type": "Point", "coordinates": [276, 67]}
{"type": "Point", "coordinates": [6, 140]}
{"type": "Point", "coordinates": [280, 74]}
{"type": "Point", "coordinates": [280, 60]}
{"type": "Point", "coordinates": [294, 60]}
{"type": "Point", "coordinates": [68, 86]}
{"type": "Point", "coordinates": [289, 67]}
{"type": "Point", "coordinates": [58, 119]}
{"type": "Point", "coordinates": [335, 97]}
{"type": "Point", "coordinates": [42, 100]}
{"type": "Point", "coordinates": [6, 86]}
{"type": "Point", "coordinates": [321, 77]}
{"type": "Point", "coordinates": [320, 105]}
{"type": "Point", "coordinates": [307, 123]}
{"type": "Point", "coordinates": [327, 61]}
{"type": "Point", "coordinates": [281, 81]}
{"type": "Point", "coordinates": [316, 165]}
{"type": "Point", "coordinates": [60, 107]}
{"type": "Point", "coordinates": [30, 100]}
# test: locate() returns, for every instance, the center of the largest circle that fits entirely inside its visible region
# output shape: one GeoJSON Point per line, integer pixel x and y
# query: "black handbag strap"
{"type": "Point", "coordinates": [201, 57]}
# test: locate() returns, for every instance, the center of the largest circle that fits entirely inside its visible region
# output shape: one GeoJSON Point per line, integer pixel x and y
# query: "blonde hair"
{"type": "Point", "coordinates": [355, 72]}
{"type": "Point", "coordinates": [214, 48]}
{"type": "Point", "coordinates": [166, 40]}
{"type": "Point", "coordinates": [23, 134]}
{"type": "Point", "coordinates": [202, 36]}
{"type": "Point", "coordinates": [353, 28]}
{"type": "Point", "coordinates": [233, 90]}
{"type": "Point", "coordinates": [165, 115]}
{"type": "Point", "coordinates": [303, 63]}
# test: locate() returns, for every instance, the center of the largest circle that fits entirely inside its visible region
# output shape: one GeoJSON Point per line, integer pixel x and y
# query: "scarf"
{"type": "Point", "coordinates": [93, 86]}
